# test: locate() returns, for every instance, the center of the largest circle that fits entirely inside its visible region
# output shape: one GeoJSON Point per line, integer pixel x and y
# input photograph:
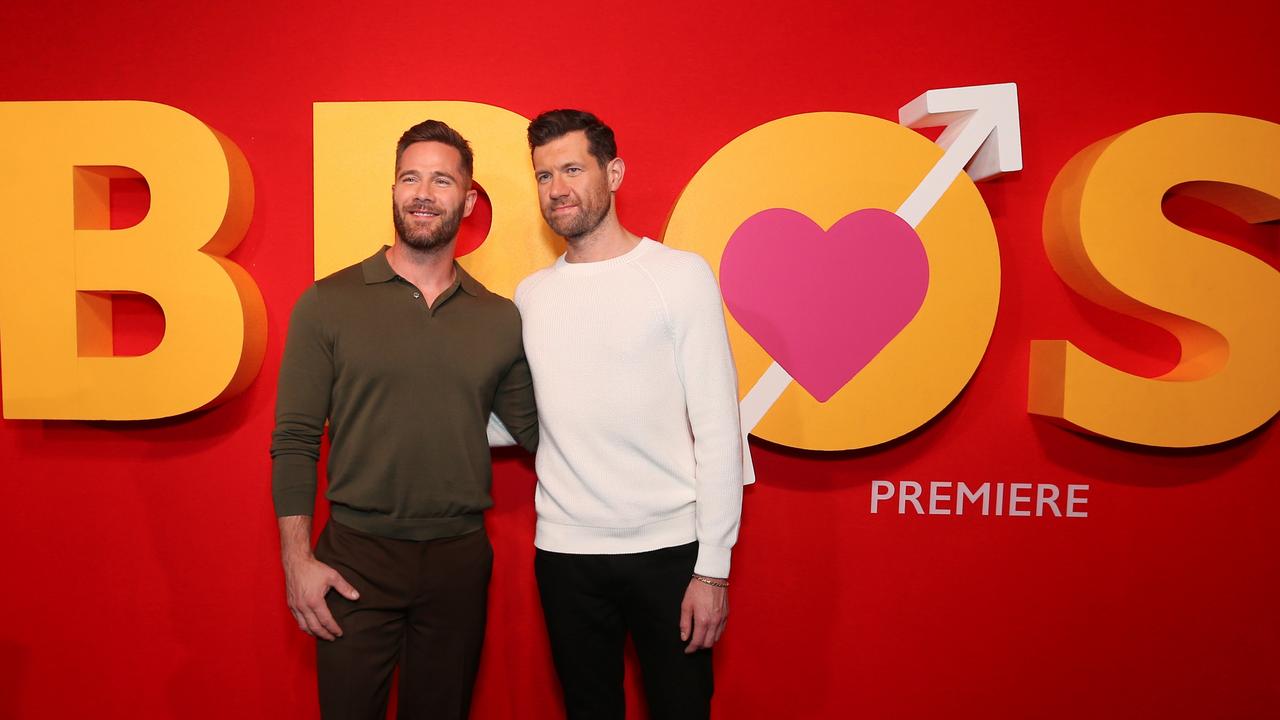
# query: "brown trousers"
{"type": "Point", "coordinates": [422, 606]}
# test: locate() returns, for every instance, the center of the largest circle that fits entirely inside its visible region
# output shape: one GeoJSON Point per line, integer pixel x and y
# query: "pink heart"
{"type": "Point", "coordinates": [824, 304]}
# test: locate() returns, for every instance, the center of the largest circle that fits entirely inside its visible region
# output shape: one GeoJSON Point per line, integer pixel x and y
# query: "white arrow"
{"type": "Point", "coordinates": [983, 137]}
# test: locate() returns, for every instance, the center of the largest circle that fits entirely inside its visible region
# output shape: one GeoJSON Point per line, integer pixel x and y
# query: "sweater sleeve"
{"type": "Point", "coordinates": [710, 383]}
{"type": "Point", "coordinates": [302, 406]}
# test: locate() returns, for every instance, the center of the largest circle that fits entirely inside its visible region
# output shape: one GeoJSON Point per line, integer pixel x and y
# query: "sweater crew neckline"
{"type": "Point", "coordinates": [591, 268]}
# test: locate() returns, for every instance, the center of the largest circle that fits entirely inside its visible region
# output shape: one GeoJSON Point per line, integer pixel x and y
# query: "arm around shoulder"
{"type": "Point", "coordinates": [514, 407]}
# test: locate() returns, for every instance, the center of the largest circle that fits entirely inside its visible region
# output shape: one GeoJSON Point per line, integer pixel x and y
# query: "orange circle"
{"type": "Point", "coordinates": [827, 165]}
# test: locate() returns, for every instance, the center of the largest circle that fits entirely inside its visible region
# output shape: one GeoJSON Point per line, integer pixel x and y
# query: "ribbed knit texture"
{"type": "Point", "coordinates": [640, 444]}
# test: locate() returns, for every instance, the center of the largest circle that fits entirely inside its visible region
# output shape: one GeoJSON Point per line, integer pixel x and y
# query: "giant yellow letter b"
{"type": "Point", "coordinates": [59, 262]}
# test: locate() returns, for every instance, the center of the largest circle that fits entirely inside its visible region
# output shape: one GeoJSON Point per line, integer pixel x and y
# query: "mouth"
{"type": "Point", "coordinates": [424, 214]}
{"type": "Point", "coordinates": [563, 208]}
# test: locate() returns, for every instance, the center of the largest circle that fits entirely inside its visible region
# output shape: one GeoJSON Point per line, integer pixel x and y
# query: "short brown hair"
{"type": "Point", "coordinates": [436, 131]}
{"type": "Point", "coordinates": [555, 124]}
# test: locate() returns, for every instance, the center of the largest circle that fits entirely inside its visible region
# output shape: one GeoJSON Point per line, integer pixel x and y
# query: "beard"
{"type": "Point", "coordinates": [426, 239]}
{"type": "Point", "coordinates": [592, 209]}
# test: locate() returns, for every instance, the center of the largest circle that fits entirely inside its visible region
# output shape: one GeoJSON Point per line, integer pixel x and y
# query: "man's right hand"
{"type": "Point", "coordinates": [307, 581]}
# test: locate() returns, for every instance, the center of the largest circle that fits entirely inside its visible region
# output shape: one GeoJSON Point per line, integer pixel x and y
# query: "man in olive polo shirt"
{"type": "Point", "coordinates": [405, 356]}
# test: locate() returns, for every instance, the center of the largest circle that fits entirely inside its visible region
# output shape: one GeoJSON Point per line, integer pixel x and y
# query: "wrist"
{"type": "Point", "coordinates": [714, 582]}
{"type": "Point", "coordinates": [296, 557]}
{"type": "Point", "coordinates": [295, 539]}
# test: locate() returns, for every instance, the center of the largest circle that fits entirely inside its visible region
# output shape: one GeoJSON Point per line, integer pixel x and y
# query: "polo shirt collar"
{"type": "Point", "coordinates": [466, 282]}
{"type": "Point", "coordinates": [376, 269]}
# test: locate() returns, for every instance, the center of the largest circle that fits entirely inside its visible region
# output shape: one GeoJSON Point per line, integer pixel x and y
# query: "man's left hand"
{"type": "Point", "coordinates": [703, 614]}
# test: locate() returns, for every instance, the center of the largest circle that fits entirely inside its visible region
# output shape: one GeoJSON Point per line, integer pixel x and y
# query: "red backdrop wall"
{"type": "Point", "coordinates": [141, 573]}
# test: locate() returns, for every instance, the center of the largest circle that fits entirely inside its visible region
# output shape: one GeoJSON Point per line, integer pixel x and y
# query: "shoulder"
{"type": "Point", "coordinates": [677, 273]}
{"type": "Point", "coordinates": [315, 305]}
{"type": "Point", "coordinates": [338, 290]}
{"type": "Point", "coordinates": [307, 307]}
{"type": "Point", "coordinates": [497, 307]}
{"type": "Point", "coordinates": [527, 287]}
{"type": "Point", "coordinates": [489, 307]}
{"type": "Point", "coordinates": [344, 280]}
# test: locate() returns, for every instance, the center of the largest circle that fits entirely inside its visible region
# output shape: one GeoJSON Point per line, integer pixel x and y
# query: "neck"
{"type": "Point", "coordinates": [608, 240]}
{"type": "Point", "coordinates": [431, 271]}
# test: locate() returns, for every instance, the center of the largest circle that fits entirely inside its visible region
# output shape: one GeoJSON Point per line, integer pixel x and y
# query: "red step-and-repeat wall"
{"type": "Point", "coordinates": [141, 570]}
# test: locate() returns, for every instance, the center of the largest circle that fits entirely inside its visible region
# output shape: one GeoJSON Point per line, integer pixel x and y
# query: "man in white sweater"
{"type": "Point", "coordinates": [640, 459]}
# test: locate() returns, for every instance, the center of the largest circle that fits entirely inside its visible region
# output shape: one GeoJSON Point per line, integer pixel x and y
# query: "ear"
{"type": "Point", "coordinates": [469, 204]}
{"type": "Point", "coordinates": [615, 170]}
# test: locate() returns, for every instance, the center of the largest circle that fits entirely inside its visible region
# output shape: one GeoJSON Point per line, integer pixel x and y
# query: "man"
{"type": "Point", "coordinates": [640, 462]}
{"type": "Point", "coordinates": [404, 355]}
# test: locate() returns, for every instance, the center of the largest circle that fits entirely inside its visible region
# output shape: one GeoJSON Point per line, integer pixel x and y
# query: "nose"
{"type": "Point", "coordinates": [559, 188]}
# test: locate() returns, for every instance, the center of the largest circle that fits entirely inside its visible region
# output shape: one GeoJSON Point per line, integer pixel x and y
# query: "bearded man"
{"type": "Point", "coordinates": [640, 472]}
{"type": "Point", "coordinates": [405, 356]}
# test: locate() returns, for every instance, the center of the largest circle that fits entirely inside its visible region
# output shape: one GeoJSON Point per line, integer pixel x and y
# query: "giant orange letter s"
{"type": "Point", "coordinates": [1108, 239]}
{"type": "Point", "coordinates": [59, 262]}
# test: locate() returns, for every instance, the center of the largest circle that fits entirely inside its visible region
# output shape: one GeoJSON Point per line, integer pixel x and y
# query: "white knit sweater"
{"type": "Point", "coordinates": [640, 446]}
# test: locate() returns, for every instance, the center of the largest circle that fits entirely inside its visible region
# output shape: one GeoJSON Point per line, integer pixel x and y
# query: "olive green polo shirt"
{"type": "Point", "coordinates": [406, 390]}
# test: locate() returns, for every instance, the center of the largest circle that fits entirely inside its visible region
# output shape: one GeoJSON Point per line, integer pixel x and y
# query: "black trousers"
{"type": "Point", "coordinates": [422, 606]}
{"type": "Point", "coordinates": [591, 602]}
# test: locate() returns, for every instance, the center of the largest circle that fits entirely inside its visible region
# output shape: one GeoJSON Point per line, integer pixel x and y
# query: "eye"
{"type": "Point", "coordinates": [542, 177]}
{"type": "Point", "coordinates": [573, 170]}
